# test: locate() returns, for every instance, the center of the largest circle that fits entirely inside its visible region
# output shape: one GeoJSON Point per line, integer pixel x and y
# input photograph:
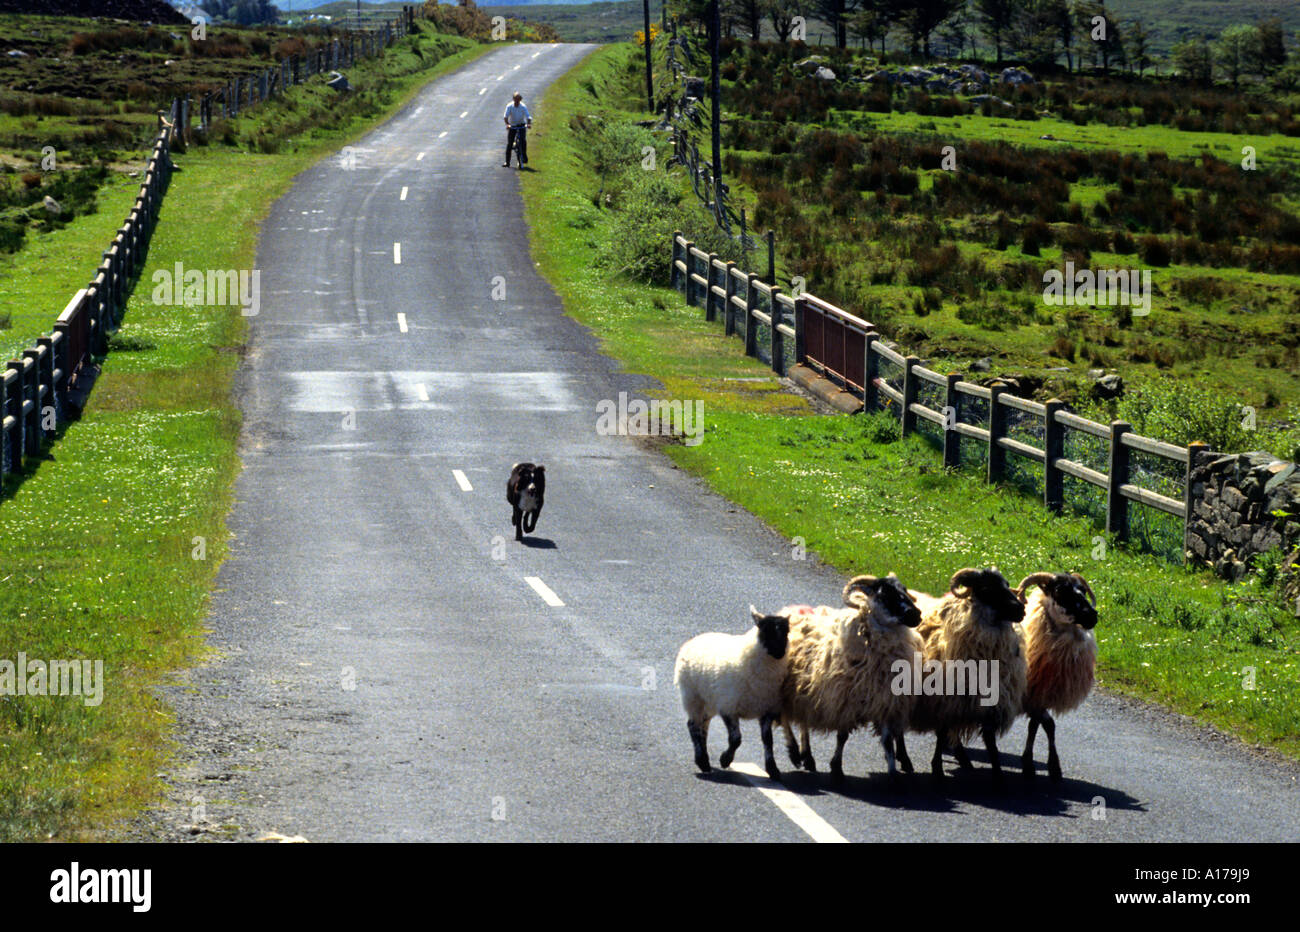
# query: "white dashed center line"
{"type": "Point", "coordinates": [515, 68]}
{"type": "Point", "coordinates": [462, 481]}
{"type": "Point", "coordinates": [549, 597]}
{"type": "Point", "coordinates": [421, 392]}
{"type": "Point", "coordinates": [465, 114]}
{"type": "Point", "coordinates": [482, 92]}
{"type": "Point", "coordinates": [401, 322]}
{"type": "Point", "coordinates": [795, 809]}
{"type": "Point", "coordinates": [403, 197]}
{"type": "Point", "coordinates": [419, 157]}
{"type": "Point", "coordinates": [535, 54]}
{"type": "Point", "coordinates": [443, 133]}
{"type": "Point", "coordinates": [397, 253]}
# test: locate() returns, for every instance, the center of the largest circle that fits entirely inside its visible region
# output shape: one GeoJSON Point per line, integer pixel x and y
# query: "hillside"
{"type": "Point", "coordinates": [154, 11]}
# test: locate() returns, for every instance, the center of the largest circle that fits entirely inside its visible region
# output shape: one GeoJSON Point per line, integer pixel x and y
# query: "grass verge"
{"type": "Point", "coordinates": [865, 501]}
{"type": "Point", "coordinates": [110, 543]}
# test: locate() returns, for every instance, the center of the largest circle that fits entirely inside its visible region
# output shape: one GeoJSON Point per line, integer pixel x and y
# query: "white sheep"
{"type": "Point", "coordinates": [843, 665]}
{"type": "Point", "coordinates": [1060, 655]}
{"type": "Point", "coordinates": [966, 632]}
{"type": "Point", "coordinates": [735, 676]}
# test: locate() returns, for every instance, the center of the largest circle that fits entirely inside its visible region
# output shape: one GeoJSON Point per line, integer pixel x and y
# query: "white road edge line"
{"type": "Point", "coordinates": [549, 597]}
{"type": "Point", "coordinates": [462, 481]}
{"type": "Point", "coordinates": [401, 322]}
{"type": "Point", "coordinates": [403, 197]}
{"type": "Point", "coordinates": [795, 809]}
{"type": "Point", "coordinates": [397, 253]}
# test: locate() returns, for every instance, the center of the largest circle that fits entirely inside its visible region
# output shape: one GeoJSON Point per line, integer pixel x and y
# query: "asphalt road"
{"type": "Point", "coordinates": [387, 672]}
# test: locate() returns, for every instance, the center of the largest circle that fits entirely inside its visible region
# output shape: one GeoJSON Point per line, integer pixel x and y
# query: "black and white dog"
{"type": "Point", "coordinates": [524, 492]}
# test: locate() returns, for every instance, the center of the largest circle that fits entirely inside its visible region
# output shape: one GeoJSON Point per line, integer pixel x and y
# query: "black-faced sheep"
{"type": "Point", "coordinates": [971, 634]}
{"type": "Point", "coordinates": [735, 676]}
{"type": "Point", "coordinates": [1060, 655]}
{"type": "Point", "coordinates": [843, 664]}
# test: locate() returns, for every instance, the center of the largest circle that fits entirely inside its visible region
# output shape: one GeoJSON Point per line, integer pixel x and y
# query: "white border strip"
{"type": "Point", "coordinates": [462, 481]}
{"type": "Point", "coordinates": [549, 597]}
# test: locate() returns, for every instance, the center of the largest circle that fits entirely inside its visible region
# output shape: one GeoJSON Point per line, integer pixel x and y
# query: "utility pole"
{"type": "Point", "coordinates": [649, 80]}
{"type": "Point", "coordinates": [715, 16]}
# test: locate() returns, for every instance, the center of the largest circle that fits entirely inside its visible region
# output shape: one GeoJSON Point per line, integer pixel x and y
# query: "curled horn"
{"type": "Point", "coordinates": [855, 590]}
{"type": "Point", "coordinates": [1033, 579]}
{"type": "Point", "coordinates": [1086, 588]}
{"type": "Point", "coordinates": [966, 578]}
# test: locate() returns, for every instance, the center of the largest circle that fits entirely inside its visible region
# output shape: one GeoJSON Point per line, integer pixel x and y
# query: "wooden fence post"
{"type": "Point", "coordinates": [14, 409]}
{"type": "Point", "coordinates": [729, 292]}
{"type": "Point", "coordinates": [870, 393]}
{"type": "Point", "coordinates": [1194, 452]}
{"type": "Point", "coordinates": [710, 299]}
{"type": "Point", "coordinates": [674, 276]}
{"type": "Point", "coordinates": [951, 439]}
{"type": "Point", "coordinates": [800, 349]}
{"type": "Point", "coordinates": [751, 324]}
{"type": "Point", "coordinates": [1054, 449]}
{"type": "Point", "coordinates": [1117, 504]}
{"type": "Point", "coordinates": [690, 269]}
{"type": "Point", "coordinates": [997, 430]}
{"type": "Point", "coordinates": [907, 418]}
{"type": "Point", "coordinates": [778, 338]}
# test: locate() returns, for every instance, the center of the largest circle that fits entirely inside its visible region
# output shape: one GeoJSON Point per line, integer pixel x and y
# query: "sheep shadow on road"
{"type": "Point", "coordinates": [1022, 795]}
{"type": "Point", "coordinates": [875, 788]}
{"type": "Point", "coordinates": [539, 543]}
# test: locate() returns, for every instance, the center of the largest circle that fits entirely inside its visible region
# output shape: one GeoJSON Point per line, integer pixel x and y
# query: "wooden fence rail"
{"type": "Point", "coordinates": [848, 351]}
{"type": "Point", "coordinates": [40, 389]}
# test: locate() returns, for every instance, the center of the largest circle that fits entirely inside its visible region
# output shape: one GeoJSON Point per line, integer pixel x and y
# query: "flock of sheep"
{"type": "Point", "coordinates": [835, 670]}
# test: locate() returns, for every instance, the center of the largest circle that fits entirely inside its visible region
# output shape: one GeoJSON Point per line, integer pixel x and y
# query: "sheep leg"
{"type": "Point", "coordinates": [805, 752]}
{"type": "Point", "coordinates": [991, 742]}
{"type": "Point", "coordinates": [733, 740]}
{"type": "Point", "coordinates": [900, 749]}
{"type": "Point", "coordinates": [700, 738]}
{"type": "Point", "coordinates": [769, 757]}
{"type": "Point", "coordinates": [963, 759]}
{"type": "Point", "coordinates": [516, 519]}
{"type": "Point", "coordinates": [1053, 762]}
{"type": "Point", "coordinates": [791, 745]}
{"type": "Point", "coordinates": [887, 742]}
{"type": "Point", "coordinates": [1027, 759]}
{"type": "Point", "coordinates": [940, 742]}
{"type": "Point", "coordinates": [837, 762]}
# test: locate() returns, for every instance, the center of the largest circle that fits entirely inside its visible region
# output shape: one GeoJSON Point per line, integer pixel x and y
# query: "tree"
{"type": "Point", "coordinates": [996, 18]}
{"type": "Point", "coordinates": [1194, 60]}
{"type": "Point", "coordinates": [1272, 46]}
{"type": "Point", "coordinates": [750, 15]}
{"type": "Point", "coordinates": [781, 14]}
{"type": "Point", "coordinates": [1140, 46]}
{"type": "Point", "coordinates": [1238, 51]}
{"type": "Point", "coordinates": [922, 17]}
{"type": "Point", "coordinates": [1037, 29]}
{"type": "Point", "coordinates": [872, 21]}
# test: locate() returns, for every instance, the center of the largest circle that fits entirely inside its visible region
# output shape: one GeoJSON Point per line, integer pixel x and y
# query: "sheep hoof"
{"type": "Point", "coordinates": [1027, 767]}
{"type": "Point", "coordinates": [837, 776]}
{"type": "Point", "coordinates": [809, 764]}
{"type": "Point", "coordinates": [1054, 772]}
{"type": "Point", "coordinates": [796, 758]}
{"type": "Point", "coordinates": [773, 771]}
{"type": "Point", "coordinates": [703, 763]}
{"type": "Point", "coordinates": [725, 760]}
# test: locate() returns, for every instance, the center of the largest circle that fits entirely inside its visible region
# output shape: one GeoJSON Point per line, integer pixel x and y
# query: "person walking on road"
{"type": "Point", "coordinates": [518, 122]}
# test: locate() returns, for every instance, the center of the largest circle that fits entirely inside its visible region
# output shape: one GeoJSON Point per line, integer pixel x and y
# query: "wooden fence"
{"type": "Point", "coordinates": [803, 329]}
{"type": "Point", "coordinates": [37, 391]}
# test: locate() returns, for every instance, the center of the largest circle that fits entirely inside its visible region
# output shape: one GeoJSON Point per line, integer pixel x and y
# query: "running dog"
{"type": "Point", "coordinates": [524, 492]}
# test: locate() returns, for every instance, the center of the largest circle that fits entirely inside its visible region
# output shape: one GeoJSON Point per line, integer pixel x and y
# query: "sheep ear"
{"type": "Point", "coordinates": [756, 614]}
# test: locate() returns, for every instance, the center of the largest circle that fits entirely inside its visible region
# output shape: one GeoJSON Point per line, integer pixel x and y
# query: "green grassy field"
{"type": "Point", "coordinates": [847, 489]}
{"type": "Point", "coordinates": [111, 541]}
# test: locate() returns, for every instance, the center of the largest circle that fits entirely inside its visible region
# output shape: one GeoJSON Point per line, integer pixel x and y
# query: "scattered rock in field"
{"type": "Point", "coordinates": [980, 98]}
{"type": "Point", "coordinates": [16, 53]}
{"type": "Point", "coordinates": [338, 82]}
{"type": "Point", "coordinates": [1108, 386]}
{"type": "Point", "coordinates": [824, 74]}
{"type": "Point", "coordinates": [1048, 136]}
{"type": "Point", "coordinates": [983, 364]}
{"type": "Point", "coordinates": [811, 64]}
{"type": "Point", "coordinates": [1016, 76]}
{"type": "Point", "coordinates": [53, 206]}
